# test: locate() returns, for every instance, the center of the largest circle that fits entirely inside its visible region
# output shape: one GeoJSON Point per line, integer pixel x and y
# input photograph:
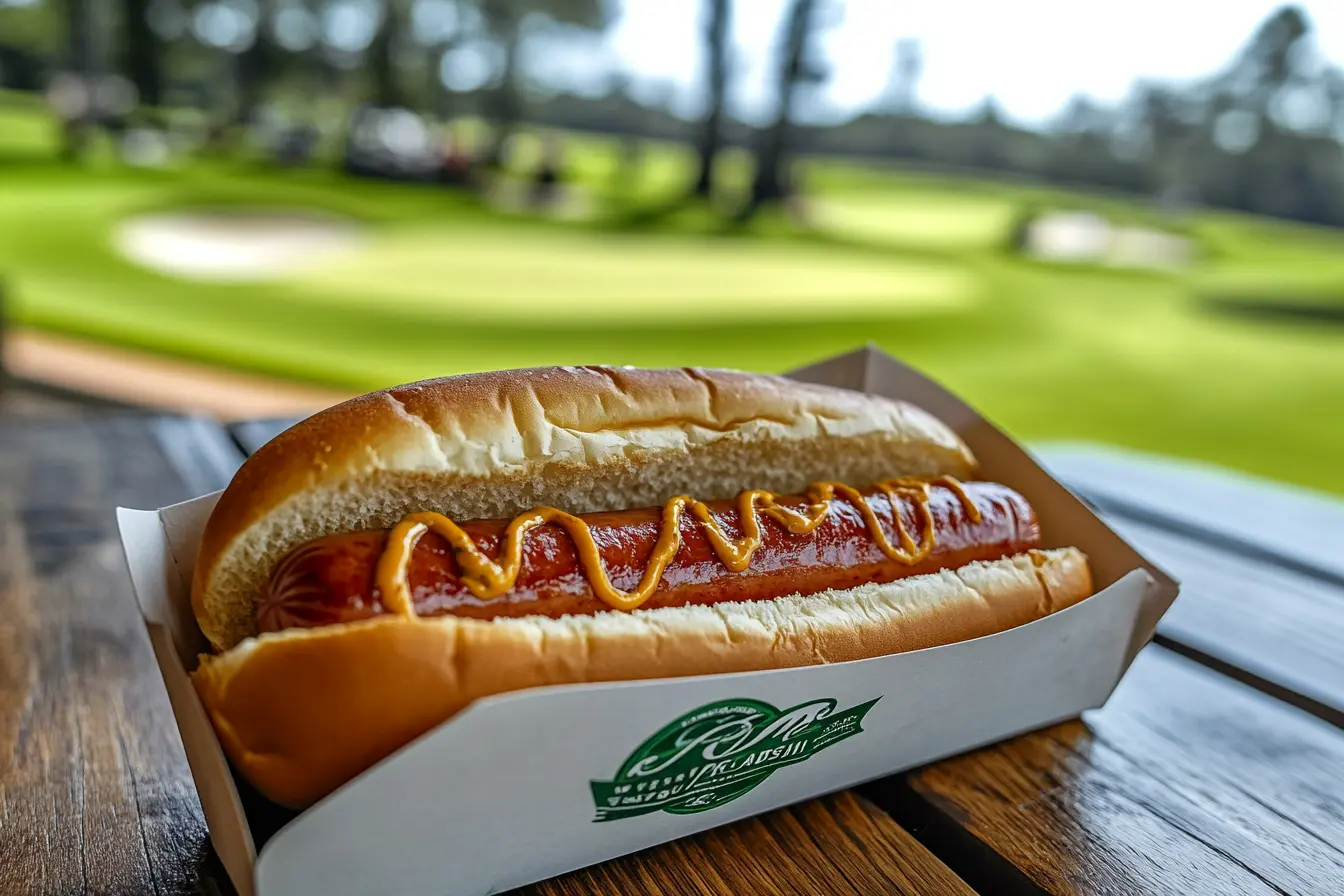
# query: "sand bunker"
{"type": "Point", "coordinates": [235, 246]}
{"type": "Point", "coordinates": [1086, 238]}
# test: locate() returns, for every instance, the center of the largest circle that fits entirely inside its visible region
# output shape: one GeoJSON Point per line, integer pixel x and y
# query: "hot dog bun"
{"type": "Point", "coordinates": [586, 439]}
{"type": "Point", "coordinates": [302, 711]}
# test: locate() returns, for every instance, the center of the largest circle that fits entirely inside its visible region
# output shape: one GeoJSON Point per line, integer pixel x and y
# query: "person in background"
{"type": "Point", "coordinates": [71, 101]}
{"type": "Point", "coordinates": [456, 162]}
{"type": "Point", "coordinates": [547, 177]}
{"type": "Point", "coordinates": [1019, 234]}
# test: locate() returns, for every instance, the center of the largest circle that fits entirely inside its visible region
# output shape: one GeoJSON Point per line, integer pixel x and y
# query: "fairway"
{"type": "Point", "coordinates": [492, 273]}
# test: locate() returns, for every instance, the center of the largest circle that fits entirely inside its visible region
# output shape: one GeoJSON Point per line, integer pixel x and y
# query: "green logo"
{"type": "Point", "coordinates": [716, 753]}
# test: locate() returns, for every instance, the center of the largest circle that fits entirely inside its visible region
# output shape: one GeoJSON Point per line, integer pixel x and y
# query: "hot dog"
{"type": "Point", "coordinates": [332, 579]}
{"type": "Point", "coordinates": [380, 566]}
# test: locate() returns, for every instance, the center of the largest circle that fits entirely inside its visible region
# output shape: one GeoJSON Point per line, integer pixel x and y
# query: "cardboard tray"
{"type": "Point", "coordinates": [532, 784]}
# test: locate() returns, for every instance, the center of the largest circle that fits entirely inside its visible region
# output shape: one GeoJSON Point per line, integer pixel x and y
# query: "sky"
{"type": "Point", "coordinates": [1030, 55]}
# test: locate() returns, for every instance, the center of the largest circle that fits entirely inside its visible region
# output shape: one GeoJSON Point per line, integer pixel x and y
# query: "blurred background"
{"type": "Point", "coordinates": [1117, 223]}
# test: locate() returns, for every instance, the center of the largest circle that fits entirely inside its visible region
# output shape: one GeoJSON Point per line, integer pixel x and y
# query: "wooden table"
{"type": "Point", "coordinates": [1217, 767]}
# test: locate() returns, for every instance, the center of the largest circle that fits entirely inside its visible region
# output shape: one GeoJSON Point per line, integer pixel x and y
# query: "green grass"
{"type": "Point", "coordinates": [1285, 262]}
{"type": "Point", "coordinates": [924, 218]}
{"type": "Point", "coordinates": [913, 264]}
{"type": "Point", "coordinates": [491, 273]}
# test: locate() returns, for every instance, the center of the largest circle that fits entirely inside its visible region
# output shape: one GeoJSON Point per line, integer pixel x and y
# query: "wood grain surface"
{"type": "Point", "coordinates": [840, 844]}
{"type": "Point", "coordinates": [1277, 628]}
{"type": "Point", "coordinates": [1186, 782]}
{"type": "Point", "coordinates": [252, 434]}
{"type": "Point", "coordinates": [1249, 515]}
{"type": "Point", "coordinates": [95, 794]}
{"type": "Point", "coordinates": [24, 400]}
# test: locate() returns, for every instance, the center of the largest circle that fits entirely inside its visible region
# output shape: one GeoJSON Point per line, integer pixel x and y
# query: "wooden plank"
{"type": "Point", "coordinates": [202, 452]}
{"type": "Point", "coordinates": [1269, 612]}
{"type": "Point", "coordinates": [22, 399]}
{"type": "Point", "coordinates": [1257, 621]}
{"type": "Point", "coordinates": [1186, 782]}
{"type": "Point", "coordinates": [1220, 505]}
{"type": "Point", "coordinates": [252, 434]}
{"type": "Point", "coordinates": [95, 795]}
{"type": "Point", "coordinates": [839, 844]}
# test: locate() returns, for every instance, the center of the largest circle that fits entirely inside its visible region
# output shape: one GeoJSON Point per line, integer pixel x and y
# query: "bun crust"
{"type": "Point", "coordinates": [582, 438]}
{"type": "Point", "coordinates": [302, 711]}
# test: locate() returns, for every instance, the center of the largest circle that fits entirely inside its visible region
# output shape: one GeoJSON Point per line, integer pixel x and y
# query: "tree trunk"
{"type": "Point", "coordinates": [771, 182]}
{"type": "Point", "coordinates": [80, 60]}
{"type": "Point", "coordinates": [254, 66]}
{"type": "Point", "coordinates": [505, 103]}
{"type": "Point", "coordinates": [387, 92]}
{"type": "Point", "coordinates": [436, 99]}
{"type": "Point", "coordinates": [142, 56]}
{"type": "Point", "coordinates": [716, 52]}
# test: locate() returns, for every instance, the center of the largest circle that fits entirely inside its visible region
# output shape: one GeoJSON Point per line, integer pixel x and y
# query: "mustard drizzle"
{"type": "Point", "coordinates": [489, 579]}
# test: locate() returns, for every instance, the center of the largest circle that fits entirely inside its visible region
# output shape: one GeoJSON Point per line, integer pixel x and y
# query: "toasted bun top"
{"type": "Point", "coordinates": [584, 439]}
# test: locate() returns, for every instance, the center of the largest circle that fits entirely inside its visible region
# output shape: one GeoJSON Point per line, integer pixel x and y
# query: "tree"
{"type": "Point", "coordinates": [439, 26]}
{"type": "Point", "coordinates": [79, 36]}
{"type": "Point", "coordinates": [1267, 64]}
{"type": "Point", "coordinates": [1083, 115]}
{"type": "Point", "coordinates": [254, 65]}
{"type": "Point", "coordinates": [987, 133]}
{"type": "Point", "coordinates": [79, 54]}
{"type": "Point", "coordinates": [142, 52]}
{"type": "Point", "coordinates": [633, 116]}
{"type": "Point", "coordinates": [903, 82]}
{"type": "Point", "coordinates": [504, 104]}
{"type": "Point", "coordinates": [504, 19]}
{"type": "Point", "coordinates": [387, 88]}
{"type": "Point", "coordinates": [717, 20]}
{"type": "Point", "coordinates": [30, 37]}
{"type": "Point", "coordinates": [1270, 55]}
{"type": "Point", "coordinates": [771, 182]}
{"type": "Point", "coordinates": [1334, 93]}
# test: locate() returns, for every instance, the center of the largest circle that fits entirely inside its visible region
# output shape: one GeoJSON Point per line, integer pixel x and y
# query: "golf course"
{"type": "Point", "coordinates": [425, 282]}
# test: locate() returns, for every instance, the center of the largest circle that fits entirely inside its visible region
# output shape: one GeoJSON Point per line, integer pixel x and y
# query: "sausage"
{"type": "Point", "coordinates": [332, 579]}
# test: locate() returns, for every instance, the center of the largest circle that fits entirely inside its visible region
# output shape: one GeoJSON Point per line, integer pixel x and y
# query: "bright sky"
{"type": "Point", "coordinates": [1031, 55]}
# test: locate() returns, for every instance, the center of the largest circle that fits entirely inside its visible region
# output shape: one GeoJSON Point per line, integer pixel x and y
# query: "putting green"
{"type": "Point", "coordinates": [495, 275]}
{"type": "Point", "coordinates": [936, 220]}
